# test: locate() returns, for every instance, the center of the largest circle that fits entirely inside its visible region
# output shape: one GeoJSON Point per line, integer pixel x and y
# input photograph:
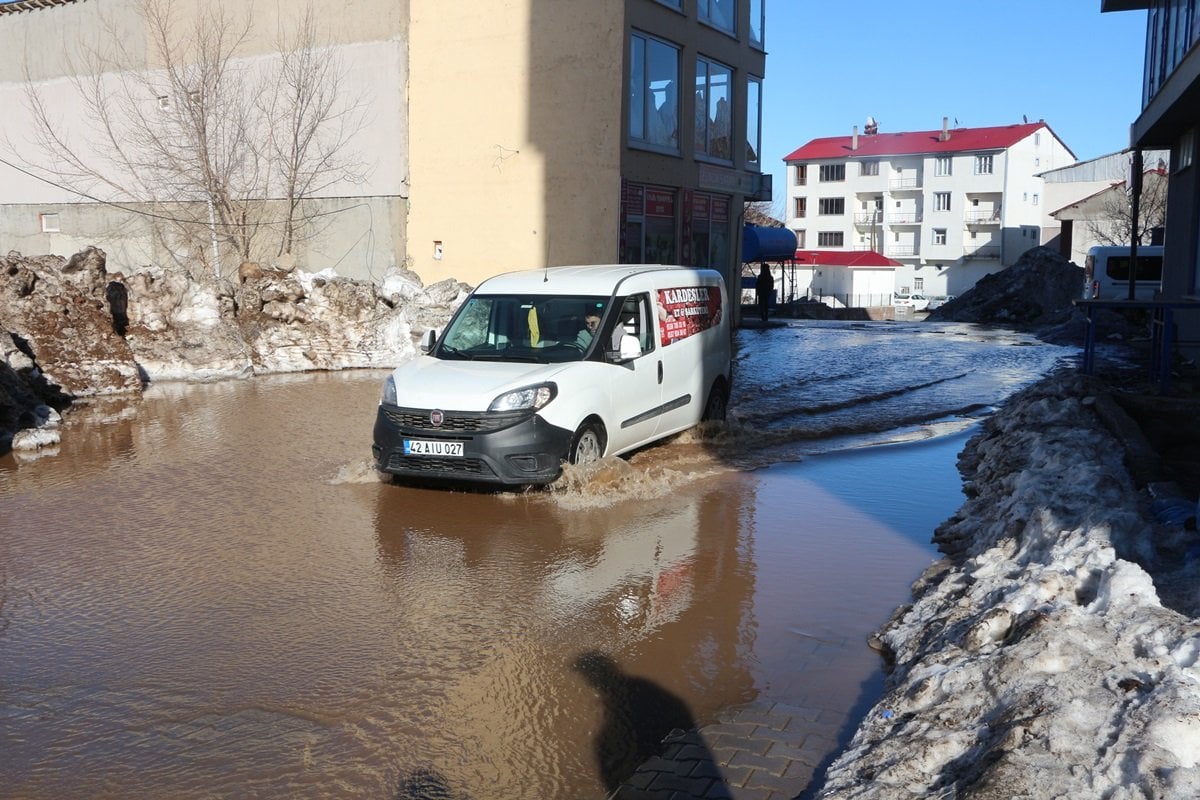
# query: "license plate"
{"type": "Point", "coordinates": [421, 447]}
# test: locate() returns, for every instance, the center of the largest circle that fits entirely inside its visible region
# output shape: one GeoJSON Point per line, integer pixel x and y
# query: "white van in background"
{"type": "Point", "coordinates": [1106, 273]}
{"type": "Point", "coordinates": [559, 364]}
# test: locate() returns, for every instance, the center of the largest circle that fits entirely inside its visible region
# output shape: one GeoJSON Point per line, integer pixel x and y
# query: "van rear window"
{"type": "Point", "coordinates": [686, 311]}
{"type": "Point", "coordinates": [1149, 268]}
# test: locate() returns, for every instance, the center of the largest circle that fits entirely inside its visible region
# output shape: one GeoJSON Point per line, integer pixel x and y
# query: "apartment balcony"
{"type": "Point", "coordinates": [902, 251]}
{"type": "Point", "coordinates": [868, 218]}
{"type": "Point", "coordinates": [905, 218]}
{"type": "Point", "coordinates": [988, 251]}
{"type": "Point", "coordinates": [912, 184]}
{"type": "Point", "coordinates": [982, 218]}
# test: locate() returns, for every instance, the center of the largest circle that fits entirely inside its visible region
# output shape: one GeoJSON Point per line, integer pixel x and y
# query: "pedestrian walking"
{"type": "Point", "coordinates": [763, 286]}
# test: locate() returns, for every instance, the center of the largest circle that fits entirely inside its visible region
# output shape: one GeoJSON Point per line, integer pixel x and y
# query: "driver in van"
{"type": "Point", "coordinates": [590, 324]}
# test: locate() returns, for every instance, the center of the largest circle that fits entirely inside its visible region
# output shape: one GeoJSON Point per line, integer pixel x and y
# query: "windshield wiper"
{"type": "Point", "coordinates": [454, 351]}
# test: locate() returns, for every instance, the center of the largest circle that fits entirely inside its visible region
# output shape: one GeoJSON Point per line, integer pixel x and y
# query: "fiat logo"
{"type": "Point", "coordinates": [437, 417]}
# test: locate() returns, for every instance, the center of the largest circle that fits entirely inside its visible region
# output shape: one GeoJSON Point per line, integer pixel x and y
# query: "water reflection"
{"type": "Point", "coordinates": [494, 600]}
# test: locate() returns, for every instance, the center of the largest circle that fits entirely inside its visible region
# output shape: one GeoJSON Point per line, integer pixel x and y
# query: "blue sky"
{"type": "Point", "coordinates": [909, 63]}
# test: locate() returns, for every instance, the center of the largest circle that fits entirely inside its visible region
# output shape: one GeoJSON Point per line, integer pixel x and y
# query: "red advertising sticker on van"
{"type": "Point", "coordinates": [686, 311]}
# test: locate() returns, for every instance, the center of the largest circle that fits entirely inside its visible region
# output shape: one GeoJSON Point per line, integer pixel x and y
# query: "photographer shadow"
{"type": "Point", "coordinates": [642, 720]}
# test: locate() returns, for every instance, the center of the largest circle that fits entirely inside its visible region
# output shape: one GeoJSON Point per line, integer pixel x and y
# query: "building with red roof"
{"type": "Point", "coordinates": [948, 205]}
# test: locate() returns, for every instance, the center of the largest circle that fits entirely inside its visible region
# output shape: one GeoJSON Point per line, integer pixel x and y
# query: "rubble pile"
{"type": "Point", "coordinates": [69, 329]}
{"type": "Point", "coordinates": [1037, 291]}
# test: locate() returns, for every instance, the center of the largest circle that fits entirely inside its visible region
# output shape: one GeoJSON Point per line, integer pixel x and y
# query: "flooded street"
{"type": "Point", "coordinates": [210, 593]}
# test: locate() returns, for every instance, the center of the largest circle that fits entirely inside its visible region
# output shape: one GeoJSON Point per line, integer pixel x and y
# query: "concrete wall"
{"type": "Point", "coordinates": [362, 217]}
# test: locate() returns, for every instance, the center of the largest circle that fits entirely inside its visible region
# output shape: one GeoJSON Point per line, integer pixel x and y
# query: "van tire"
{"type": "Point", "coordinates": [587, 445]}
{"type": "Point", "coordinates": [717, 405]}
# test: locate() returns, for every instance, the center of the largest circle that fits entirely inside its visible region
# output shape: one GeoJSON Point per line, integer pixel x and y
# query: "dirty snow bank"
{"type": "Point", "coordinates": [1033, 660]}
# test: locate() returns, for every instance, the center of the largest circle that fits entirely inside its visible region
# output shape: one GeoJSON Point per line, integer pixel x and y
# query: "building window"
{"type": "Point", "coordinates": [866, 168]}
{"type": "Point", "coordinates": [833, 173]}
{"type": "Point", "coordinates": [918, 285]}
{"type": "Point", "coordinates": [941, 201]}
{"type": "Point", "coordinates": [49, 223]}
{"type": "Point", "coordinates": [714, 104]}
{"type": "Point", "coordinates": [753, 119]}
{"type": "Point", "coordinates": [830, 239]}
{"type": "Point", "coordinates": [718, 13]}
{"type": "Point", "coordinates": [941, 165]}
{"type": "Point", "coordinates": [654, 93]}
{"type": "Point", "coordinates": [675, 4]}
{"type": "Point", "coordinates": [800, 207]}
{"type": "Point", "coordinates": [164, 102]}
{"type": "Point", "coordinates": [939, 235]}
{"type": "Point", "coordinates": [758, 24]}
{"type": "Point", "coordinates": [829, 206]}
{"type": "Point", "coordinates": [983, 165]}
{"type": "Point", "coordinates": [801, 175]}
{"type": "Point", "coordinates": [1187, 147]}
{"type": "Point", "coordinates": [1035, 198]}
{"type": "Point", "coordinates": [801, 238]}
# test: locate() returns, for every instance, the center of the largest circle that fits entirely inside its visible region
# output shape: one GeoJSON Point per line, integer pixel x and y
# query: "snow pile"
{"type": "Point", "coordinates": [1034, 660]}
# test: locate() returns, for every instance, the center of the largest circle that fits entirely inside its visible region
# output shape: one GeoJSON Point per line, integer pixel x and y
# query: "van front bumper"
{"type": "Point", "coordinates": [503, 448]}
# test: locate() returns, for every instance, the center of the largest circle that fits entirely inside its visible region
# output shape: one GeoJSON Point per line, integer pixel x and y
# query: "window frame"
{"type": "Point", "coordinates": [985, 164]}
{"type": "Point", "coordinates": [49, 222]}
{"type": "Point", "coordinates": [868, 169]}
{"type": "Point", "coordinates": [646, 92]}
{"type": "Point", "coordinates": [824, 236]}
{"type": "Point", "coordinates": [704, 13]}
{"type": "Point", "coordinates": [754, 119]}
{"type": "Point", "coordinates": [758, 39]}
{"type": "Point", "coordinates": [939, 236]}
{"type": "Point", "coordinates": [707, 134]}
{"type": "Point", "coordinates": [942, 201]}
{"type": "Point", "coordinates": [832, 173]}
{"type": "Point", "coordinates": [943, 166]}
{"type": "Point", "coordinates": [831, 207]}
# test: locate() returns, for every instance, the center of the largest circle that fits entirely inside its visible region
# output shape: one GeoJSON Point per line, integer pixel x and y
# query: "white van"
{"type": "Point", "coordinates": [1106, 273]}
{"type": "Point", "coordinates": [559, 364]}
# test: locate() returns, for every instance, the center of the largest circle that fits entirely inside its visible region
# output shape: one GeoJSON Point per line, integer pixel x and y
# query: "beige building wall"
{"type": "Point", "coordinates": [515, 140]}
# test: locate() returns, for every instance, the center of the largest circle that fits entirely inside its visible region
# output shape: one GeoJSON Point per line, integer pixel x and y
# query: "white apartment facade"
{"type": "Point", "coordinates": [950, 205]}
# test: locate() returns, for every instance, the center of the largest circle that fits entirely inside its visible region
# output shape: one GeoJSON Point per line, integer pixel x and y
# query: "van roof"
{"type": "Point", "coordinates": [585, 279]}
{"type": "Point", "coordinates": [1118, 249]}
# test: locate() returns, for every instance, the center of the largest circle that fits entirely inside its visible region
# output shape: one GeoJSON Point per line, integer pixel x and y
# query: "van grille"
{"type": "Point", "coordinates": [417, 419]}
{"type": "Point", "coordinates": [463, 466]}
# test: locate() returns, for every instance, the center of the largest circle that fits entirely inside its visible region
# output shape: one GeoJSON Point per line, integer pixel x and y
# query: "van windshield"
{"type": "Point", "coordinates": [531, 328]}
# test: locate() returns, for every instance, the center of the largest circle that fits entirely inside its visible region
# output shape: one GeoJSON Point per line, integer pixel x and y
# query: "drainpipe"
{"type": "Point", "coordinates": [1135, 183]}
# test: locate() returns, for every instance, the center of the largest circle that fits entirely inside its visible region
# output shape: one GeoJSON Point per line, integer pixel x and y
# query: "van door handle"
{"type": "Point", "coordinates": [660, 372]}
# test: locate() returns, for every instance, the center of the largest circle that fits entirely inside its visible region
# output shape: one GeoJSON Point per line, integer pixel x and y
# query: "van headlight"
{"type": "Point", "coordinates": [530, 397]}
{"type": "Point", "coordinates": [389, 391]}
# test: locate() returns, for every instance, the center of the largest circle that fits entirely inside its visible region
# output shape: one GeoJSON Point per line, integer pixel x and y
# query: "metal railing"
{"type": "Point", "coordinates": [987, 251]}
{"type": "Point", "coordinates": [901, 251]}
{"type": "Point", "coordinates": [905, 183]}
{"type": "Point", "coordinates": [905, 218]}
{"type": "Point", "coordinates": [983, 217]}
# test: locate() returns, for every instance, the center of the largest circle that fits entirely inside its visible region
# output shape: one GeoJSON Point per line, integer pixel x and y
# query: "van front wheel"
{"type": "Point", "coordinates": [587, 446]}
{"type": "Point", "coordinates": [716, 407]}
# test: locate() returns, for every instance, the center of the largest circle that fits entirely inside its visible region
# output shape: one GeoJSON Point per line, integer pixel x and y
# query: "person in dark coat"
{"type": "Point", "coordinates": [763, 286]}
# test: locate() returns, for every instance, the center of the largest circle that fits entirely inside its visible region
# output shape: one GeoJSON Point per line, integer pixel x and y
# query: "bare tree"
{"type": "Point", "coordinates": [1114, 222]}
{"type": "Point", "coordinates": [211, 144]}
{"type": "Point", "coordinates": [767, 213]}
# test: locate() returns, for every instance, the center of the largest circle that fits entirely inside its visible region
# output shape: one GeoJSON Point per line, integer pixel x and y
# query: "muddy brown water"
{"type": "Point", "coordinates": [210, 593]}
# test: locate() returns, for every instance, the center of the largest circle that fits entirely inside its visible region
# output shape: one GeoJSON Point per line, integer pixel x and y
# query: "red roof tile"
{"type": "Point", "coordinates": [894, 144]}
{"type": "Point", "coordinates": [844, 258]}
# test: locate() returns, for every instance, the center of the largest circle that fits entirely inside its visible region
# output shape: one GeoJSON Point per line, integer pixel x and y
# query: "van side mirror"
{"type": "Point", "coordinates": [630, 347]}
{"type": "Point", "coordinates": [428, 340]}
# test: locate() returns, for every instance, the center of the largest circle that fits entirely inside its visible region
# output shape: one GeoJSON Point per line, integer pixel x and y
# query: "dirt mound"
{"type": "Point", "coordinates": [1035, 292]}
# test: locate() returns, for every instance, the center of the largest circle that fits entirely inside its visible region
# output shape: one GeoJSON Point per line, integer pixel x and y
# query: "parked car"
{"type": "Point", "coordinates": [917, 302]}
{"type": "Point", "coordinates": [939, 300]}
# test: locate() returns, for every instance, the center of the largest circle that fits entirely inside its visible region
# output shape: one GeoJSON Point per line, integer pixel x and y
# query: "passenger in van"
{"type": "Point", "coordinates": [590, 324]}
